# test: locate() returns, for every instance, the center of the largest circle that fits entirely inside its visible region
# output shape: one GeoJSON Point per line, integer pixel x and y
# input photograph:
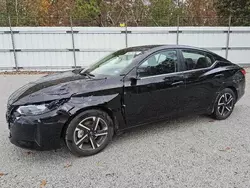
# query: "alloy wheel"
{"type": "Point", "coordinates": [225, 104]}
{"type": "Point", "coordinates": [90, 133]}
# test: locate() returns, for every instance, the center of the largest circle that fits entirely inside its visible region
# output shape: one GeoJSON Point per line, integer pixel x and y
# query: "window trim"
{"type": "Point", "coordinates": [180, 63]}
{"type": "Point", "coordinates": [182, 72]}
{"type": "Point", "coordinates": [154, 76]}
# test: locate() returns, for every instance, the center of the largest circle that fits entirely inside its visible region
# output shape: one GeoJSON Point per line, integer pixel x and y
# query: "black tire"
{"type": "Point", "coordinates": [78, 137]}
{"type": "Point", "coordinates": [225, 100]}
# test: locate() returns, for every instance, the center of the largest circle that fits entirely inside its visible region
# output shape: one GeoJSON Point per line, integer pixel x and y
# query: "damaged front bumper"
{"type": "Point", "coordinates": [41, 132]}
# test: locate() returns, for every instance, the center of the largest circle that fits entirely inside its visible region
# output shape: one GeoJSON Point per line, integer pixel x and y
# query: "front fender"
{"type": "Point", "coordinates": [112, 103]}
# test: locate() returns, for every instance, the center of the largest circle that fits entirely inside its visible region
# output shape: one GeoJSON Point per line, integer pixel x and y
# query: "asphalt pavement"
{"type": "Point", "coordinates": [194, 151]}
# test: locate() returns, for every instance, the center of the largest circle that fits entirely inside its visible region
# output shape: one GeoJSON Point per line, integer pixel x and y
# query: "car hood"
{"type": "Point", "coordinates": [53, 87]}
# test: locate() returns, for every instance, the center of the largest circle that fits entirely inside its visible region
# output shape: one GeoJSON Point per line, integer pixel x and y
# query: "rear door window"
{"type": "Point", "coordinates": [194, 59]}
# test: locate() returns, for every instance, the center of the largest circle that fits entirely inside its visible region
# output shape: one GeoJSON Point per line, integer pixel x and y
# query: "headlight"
{"type": "Point", "coordinates": [37, 109]}
{"type": "Point", "coordinates": [33, 109]}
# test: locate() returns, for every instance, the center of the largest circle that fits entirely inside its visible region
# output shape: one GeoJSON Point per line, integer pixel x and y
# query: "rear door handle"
{"type": "Point", "coordinates": [177, 83]}
{"type": "Point", "coordinates": [166, 79]}
{"type": "Point", "coordinates": [219, 75]}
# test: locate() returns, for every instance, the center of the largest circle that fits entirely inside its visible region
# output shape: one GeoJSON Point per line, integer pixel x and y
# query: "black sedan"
{"type": "Point", "coordinates": [130, 87]}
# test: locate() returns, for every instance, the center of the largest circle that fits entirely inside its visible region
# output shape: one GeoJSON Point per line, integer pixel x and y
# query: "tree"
{"type": "Point", "coordinates": [3, 6]}
{"type": "Point", "coordinates": [202, 12]}
{"type": "Point", "coordinates": [3, 13]}
{"type": "Point", "coordinates": [239, 10]}
{"type": "Point", "coordinates": [165, 12]}
{"type": "Point", "coordinates": [85, 12]}
{"type": "Point", "coordinates": [132, 12]}
{"type": "Point", "coordinates": [57, 11]}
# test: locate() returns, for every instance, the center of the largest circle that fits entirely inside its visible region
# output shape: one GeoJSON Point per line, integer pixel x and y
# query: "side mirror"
{"type": "Point", "coordinates": [137, 73]}
{"type": "Point", "coordinates": [134, 78]}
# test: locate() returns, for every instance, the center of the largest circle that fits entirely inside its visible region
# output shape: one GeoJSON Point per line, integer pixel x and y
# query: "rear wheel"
{"type": "Point", "coordinates": [225, 104]}
{"type": "Point", "coordinates": [89, 133]}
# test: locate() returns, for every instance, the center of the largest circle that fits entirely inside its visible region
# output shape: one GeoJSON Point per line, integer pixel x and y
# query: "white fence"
{"type": "Point", "coordinates": [56, 48]}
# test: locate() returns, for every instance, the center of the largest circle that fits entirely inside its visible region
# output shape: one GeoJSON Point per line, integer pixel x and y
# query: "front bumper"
{"type": "Point", "coordinates": [41, 132]}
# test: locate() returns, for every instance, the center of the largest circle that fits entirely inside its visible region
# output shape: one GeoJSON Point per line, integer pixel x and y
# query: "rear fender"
{"type": "Point", "coordinates": [233, 82]}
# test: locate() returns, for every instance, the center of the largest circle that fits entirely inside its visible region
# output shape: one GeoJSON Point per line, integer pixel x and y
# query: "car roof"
{"type": "Point", "coordinates": [162, 46]}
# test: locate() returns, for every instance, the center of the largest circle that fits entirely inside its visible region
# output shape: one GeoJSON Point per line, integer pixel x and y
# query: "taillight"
{"type": "Point", "coordinates": [243, 71]}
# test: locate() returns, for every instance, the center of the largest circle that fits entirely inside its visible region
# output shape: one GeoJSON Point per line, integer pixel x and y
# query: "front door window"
{"type": "Point", "coordinates": [163, 62]}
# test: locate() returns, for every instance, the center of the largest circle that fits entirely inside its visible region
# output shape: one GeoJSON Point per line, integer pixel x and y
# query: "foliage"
{"type": "Point", "coordinates": [132, 12]}
{"type": "Point", "coordinates": [200, 13]}
{"type": "Point", "coordinates": [239, 10]}
{"type": "Point", "coordinates": [163, 12]}
{"type": "Point", "coordinates": [86, 10]}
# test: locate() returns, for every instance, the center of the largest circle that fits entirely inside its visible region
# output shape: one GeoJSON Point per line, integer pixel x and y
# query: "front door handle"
{"type": "Point", "coordinates": [177, 83]}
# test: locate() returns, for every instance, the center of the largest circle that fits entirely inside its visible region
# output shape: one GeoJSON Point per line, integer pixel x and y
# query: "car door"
{"type": "Point", "coordinates": [157, 90]}
{"type": "Point", "coordinates": [201, 80]}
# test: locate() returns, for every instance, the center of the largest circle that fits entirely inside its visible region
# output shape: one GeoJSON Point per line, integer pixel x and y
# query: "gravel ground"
{"type": "Point", "coordinates": [193, 151]}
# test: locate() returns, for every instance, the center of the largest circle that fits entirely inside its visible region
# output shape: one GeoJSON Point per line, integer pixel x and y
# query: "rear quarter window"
{"type": "Point", "coordinates": [219, 58]}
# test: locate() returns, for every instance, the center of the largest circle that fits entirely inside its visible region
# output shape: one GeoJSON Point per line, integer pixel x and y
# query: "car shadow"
{"type": "Point", "coordinates": [161, 126]}
{"type": "Point", "coordinates": [141, 131]}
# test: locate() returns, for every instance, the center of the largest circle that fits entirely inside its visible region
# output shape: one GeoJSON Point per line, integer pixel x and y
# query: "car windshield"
{"type": "Point", "coordinates": [113, 64]}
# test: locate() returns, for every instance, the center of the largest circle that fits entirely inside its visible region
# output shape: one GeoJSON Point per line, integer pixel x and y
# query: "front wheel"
{"type": "Point", "coordinates": [89, 133]}
{"type": "Point", "coordinates": [225, 104]}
